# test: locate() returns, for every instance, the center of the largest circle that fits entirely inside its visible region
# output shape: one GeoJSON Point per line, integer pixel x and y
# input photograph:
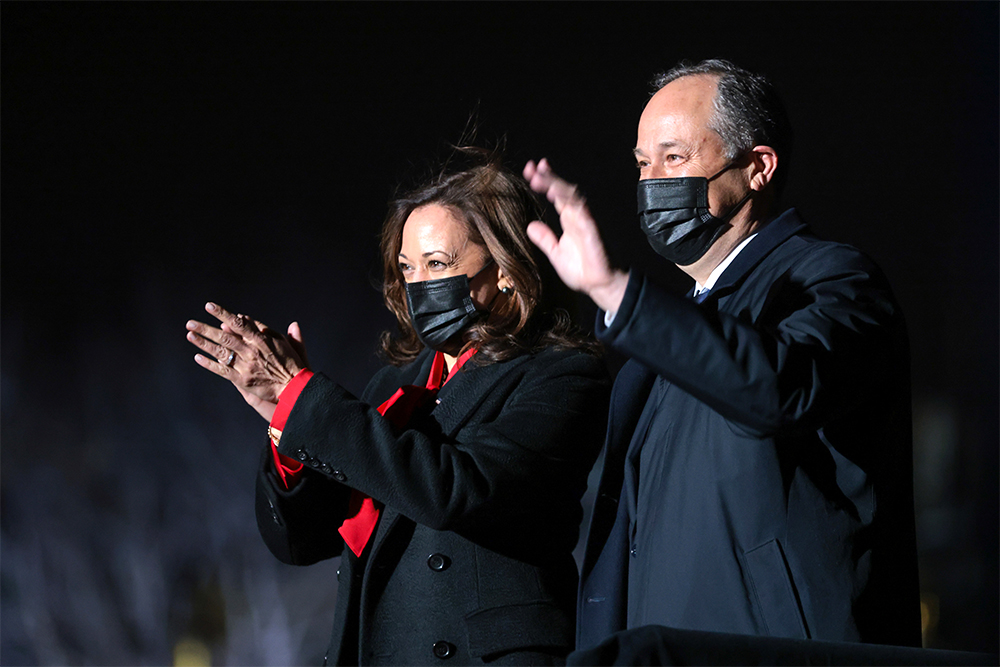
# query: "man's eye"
{"type": "Point", "coordinates": [674, 158]}
{"type": "Point", "coordinates": [641, 165]}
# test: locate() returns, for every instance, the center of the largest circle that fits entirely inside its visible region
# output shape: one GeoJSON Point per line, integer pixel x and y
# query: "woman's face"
{"type": "Point", "coordinates": [436, 245]}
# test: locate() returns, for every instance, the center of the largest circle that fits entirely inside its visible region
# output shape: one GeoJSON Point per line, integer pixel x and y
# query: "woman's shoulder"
{"type": "Point", "coordinates": [558, 360]}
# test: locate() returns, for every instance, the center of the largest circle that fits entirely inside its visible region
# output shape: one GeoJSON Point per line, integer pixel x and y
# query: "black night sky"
{"type": "Point", "coordinates": [157, 155]}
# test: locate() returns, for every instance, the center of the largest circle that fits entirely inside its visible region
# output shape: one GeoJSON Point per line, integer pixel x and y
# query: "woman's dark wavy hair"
{"type": "Point", "coordinates": [497, 206]}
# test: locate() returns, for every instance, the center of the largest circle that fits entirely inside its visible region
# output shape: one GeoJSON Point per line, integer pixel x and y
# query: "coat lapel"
{"type": "Point", "coordinates": [387, 520]}
{"type": "Point", "coordinates": [462, 394]}
{"type": "Point", "coordinates": [458, 400]}
{"type": "Point", "coordinates": [415, 372]}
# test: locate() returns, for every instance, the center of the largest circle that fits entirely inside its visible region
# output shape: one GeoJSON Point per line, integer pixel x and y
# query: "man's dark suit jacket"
{"type": "Point", "coordinates": [472, 555]}
{"type": "Point", "coordinates": [758, 466]}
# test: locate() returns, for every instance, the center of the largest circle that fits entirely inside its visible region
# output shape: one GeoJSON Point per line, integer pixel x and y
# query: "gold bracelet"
{"type": "Point", "coordinates": [274, 434]}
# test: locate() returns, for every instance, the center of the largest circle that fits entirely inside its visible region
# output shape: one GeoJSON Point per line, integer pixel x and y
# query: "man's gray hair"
{"type": "Point", "coordinates": [748, 111]}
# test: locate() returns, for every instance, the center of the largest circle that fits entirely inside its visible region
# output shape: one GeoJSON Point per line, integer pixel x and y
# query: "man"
{"type": "Point", "coordinates": [758, 464]}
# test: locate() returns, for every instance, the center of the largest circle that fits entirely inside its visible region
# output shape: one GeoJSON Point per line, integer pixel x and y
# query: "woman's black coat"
{"type": "Point", "coordinates": [472, 556]}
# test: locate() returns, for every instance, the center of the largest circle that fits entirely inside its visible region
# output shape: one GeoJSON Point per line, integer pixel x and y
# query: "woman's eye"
{"type": "Point", "coordinates": [403, 268]}
{"type": "Point", "coordinates": [435, 264]}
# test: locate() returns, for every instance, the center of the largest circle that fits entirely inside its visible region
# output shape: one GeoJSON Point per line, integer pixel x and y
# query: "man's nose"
{"type": "Point", "coordinates": [652, 171]}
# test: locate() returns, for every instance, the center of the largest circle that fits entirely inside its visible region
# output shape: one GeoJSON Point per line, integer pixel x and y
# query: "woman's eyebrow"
{"type": "Point", "coordinates": [437, 252]}
{"type": "Point", "coordinates": [431, 252]}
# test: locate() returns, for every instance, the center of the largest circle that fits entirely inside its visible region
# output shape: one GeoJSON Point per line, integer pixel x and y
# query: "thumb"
{"type": "Point", "coordinates": [543, 237]}
{"type": "Point", "coordinates": [295, 340]}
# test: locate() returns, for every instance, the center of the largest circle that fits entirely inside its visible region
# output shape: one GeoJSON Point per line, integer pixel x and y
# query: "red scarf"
{"type": "Point", "coordinates": [363, 511]}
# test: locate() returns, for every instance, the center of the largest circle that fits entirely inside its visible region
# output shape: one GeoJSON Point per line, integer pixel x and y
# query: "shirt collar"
{"type": "Point", "coordinates": [714, 276]}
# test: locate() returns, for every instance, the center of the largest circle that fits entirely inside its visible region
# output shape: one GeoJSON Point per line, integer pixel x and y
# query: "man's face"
{"type": "Point", "coordinates": [675, 140]}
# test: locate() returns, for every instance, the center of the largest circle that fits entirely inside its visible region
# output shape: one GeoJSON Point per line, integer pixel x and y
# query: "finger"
{"type": "Point", "coordinates": [557, 190]}
{"type": "Point", "coordinates": [543, 237]}
{"type": "Point", "coordinates": [529, 170]}
{"type": "Point", "coordinates": [576, 220]}
{"type": "Point", "coordinates": [224, 337]}
{"type": "Point", "coordinates": [241, 324]}
{"type": "Point", "coordinates": [206, 330]}
{"type": "Point", "coordinates": [563, 193]}
{"type": "Point", "coordinates": [220, 352]}
{"type": "Point", "coordinates": [539, 176]}
{"type": "Point", "coordinates": [219, 369]}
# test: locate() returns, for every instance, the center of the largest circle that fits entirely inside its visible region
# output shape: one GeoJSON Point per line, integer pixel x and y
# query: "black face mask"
{"type": "Point", "coordinates": [673, 212]}
{"type": "Point", "coordinates": [441, 309]}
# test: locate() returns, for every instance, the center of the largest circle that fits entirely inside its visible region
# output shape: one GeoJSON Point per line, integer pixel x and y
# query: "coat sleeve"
{"type": "Point", "coordinates": [299, 526]}
{"type": "Point", "coordinates": [522, 456]}
{"type": "Point", "coordinates": [826, 337]}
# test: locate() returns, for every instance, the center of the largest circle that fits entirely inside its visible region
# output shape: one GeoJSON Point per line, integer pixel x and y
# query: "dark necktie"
{"type": "Point", "coordinates": [701, 296]}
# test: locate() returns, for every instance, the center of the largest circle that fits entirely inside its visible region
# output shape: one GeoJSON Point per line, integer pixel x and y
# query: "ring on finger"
{"type": "Point", "coordinates": [231, 359]}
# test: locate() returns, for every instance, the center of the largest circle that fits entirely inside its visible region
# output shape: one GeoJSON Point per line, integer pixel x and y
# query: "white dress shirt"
{"type": "Point", "coordinates": [712, 277]}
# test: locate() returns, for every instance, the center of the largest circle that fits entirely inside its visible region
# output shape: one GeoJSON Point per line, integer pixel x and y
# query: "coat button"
{"type": "Point", "coordinates": [438, 562]}
{"type": "Point", "coordinates": [326, 468]}
{"type": "Point", "coordinates": [314, 462]}
{"type": "Point", "coordinates": [339, 476]}
{"type": "Point", "coordinates": [301, 455]}
{"type": "Point", "coordinates": [443, 650]}
{"type": "Point", "coordinates": [633, 551]}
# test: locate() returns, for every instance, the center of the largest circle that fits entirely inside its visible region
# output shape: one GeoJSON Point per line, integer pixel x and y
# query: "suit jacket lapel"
{"type": "Point", "coordinates": [629, 396]}
{"type": "Point", "coordinates": [772, 235]}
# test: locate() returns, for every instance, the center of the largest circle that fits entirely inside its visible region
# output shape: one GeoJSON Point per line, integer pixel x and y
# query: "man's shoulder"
{"type": "Point", "coordinates": [805, 252]}
{"type": "Point", "coordinates": [810, 254]}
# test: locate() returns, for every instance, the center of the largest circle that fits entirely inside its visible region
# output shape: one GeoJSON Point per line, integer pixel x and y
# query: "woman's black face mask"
{"type": "Point", "coordinates": [443, 308]}
{"type": "Point", "coordinates": [673, 212]}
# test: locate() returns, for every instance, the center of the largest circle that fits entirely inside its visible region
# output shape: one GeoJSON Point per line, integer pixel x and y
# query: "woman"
{"type": "Point", "coordinates": [452, 485]}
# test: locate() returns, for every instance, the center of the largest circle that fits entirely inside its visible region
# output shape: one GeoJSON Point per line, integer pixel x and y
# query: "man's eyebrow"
{"type": "Point", "coordinates": [663, 144]}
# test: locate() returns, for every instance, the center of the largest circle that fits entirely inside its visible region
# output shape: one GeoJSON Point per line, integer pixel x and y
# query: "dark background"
{"type": "Point", "coordinates": [158, 155]}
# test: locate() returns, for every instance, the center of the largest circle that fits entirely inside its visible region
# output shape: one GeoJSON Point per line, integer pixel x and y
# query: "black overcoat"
{"type": "Point", "coordinates": [758, 477]}
{"type": "Point", "coordinates": [472, 556]}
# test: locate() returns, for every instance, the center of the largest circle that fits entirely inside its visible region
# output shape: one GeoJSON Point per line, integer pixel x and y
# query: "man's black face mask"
{"type": "Point", "coordinates": [673, 212]}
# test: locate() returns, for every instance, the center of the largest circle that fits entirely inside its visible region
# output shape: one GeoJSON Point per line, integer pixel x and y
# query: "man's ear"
{"type": "Point", "coordinates": [763, 164]}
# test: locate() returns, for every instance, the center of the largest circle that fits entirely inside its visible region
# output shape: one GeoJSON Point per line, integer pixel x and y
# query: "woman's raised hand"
{"type": "Point", "coordinates": [257, 360]}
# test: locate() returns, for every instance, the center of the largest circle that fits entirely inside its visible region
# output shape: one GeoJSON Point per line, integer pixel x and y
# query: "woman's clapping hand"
{"type": "Point", "coordinates": [258, 361]}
